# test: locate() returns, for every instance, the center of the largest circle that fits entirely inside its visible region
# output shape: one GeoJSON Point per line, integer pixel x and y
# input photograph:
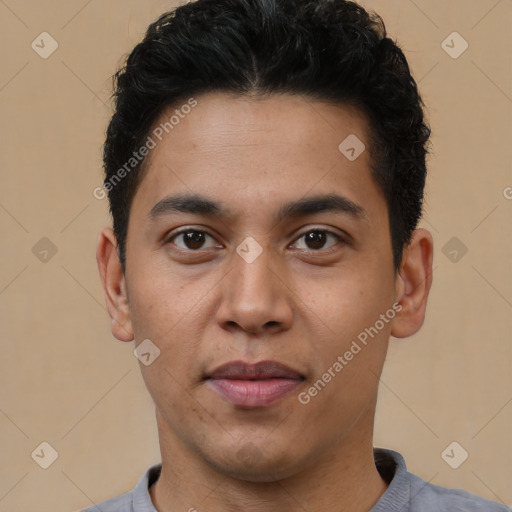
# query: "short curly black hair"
{"type": "Point", "coordinates": [330, 50]}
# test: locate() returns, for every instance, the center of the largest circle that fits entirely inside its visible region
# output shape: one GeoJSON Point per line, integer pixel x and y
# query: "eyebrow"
{"type": "Point", "coordinates": [197, 204]}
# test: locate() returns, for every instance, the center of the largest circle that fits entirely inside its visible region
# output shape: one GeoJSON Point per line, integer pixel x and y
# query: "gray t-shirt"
{"type": "Point", "coordinates": [406, 492]}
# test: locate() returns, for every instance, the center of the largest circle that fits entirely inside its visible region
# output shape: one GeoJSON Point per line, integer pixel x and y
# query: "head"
{"type": "Point", "coordinates": [231, 118]}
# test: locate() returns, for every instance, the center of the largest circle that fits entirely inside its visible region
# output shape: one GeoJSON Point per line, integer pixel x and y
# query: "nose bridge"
{"type": "Point", "coordinates": [254, 296]}
{"type": "Point", "coordinates": [253, 271]}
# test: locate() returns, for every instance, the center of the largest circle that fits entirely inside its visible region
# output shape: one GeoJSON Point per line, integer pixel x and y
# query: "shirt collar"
{"type": "Point", "coordinates": [140, 496]}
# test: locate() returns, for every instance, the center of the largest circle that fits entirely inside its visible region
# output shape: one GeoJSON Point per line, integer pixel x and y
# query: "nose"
{"type": "Point", "coordinates": [255, 297]}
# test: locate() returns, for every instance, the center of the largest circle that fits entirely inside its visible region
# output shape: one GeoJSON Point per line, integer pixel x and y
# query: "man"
{"type": "Point", "coordinates": [265, 167]}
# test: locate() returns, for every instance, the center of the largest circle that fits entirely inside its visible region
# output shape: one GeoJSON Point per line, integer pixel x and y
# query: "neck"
{"type": "Point", "coordinates": [345, 479]}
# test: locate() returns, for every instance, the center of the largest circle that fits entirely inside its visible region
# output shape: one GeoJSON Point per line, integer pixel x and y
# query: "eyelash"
{"type": "Point", "coordinates": [311, 230]}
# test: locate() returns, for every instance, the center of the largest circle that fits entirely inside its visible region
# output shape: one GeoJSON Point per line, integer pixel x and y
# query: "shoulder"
{"type": "Point", "coordinates": [139, 496]}
{"type": "Point", "coordinates": [408, 492]}
{"type": "Point", "coordinates": [122, 503]}
{"type": "Point", "coordinates": [439, 498]}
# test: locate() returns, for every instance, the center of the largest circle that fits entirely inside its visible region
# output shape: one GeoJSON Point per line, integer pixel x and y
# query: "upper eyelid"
{"type": "Point", "coordinates": [181, 231]}
{"type": "Point", "coordinates": [324, 230]}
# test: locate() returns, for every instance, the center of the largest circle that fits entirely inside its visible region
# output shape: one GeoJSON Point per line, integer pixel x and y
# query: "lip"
{"type": "Point", "coordinates": [254, 385]}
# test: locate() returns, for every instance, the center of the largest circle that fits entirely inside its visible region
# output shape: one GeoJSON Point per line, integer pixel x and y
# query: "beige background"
{"type": "Point", "coordinates": [67, 381]}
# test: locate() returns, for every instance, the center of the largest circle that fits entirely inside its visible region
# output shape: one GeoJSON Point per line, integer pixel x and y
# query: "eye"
{"type": "Point", "coordinates": [192, 239]}
{"type": "Point", "coordinates": [316, 239]}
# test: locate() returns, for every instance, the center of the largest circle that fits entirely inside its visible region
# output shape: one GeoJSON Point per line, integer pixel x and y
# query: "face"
{"type": "Point", "coordinates": [252, 238]}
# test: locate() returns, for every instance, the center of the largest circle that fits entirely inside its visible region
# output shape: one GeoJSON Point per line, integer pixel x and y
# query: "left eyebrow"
{"type": "Point", "coordinates": [322, 203]}
{"type": "Point", "coordinates": [200, 205]}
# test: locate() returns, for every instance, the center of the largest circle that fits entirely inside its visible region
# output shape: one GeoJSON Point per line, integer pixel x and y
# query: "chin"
{"type": "Point", "coordinates": [251, 465]}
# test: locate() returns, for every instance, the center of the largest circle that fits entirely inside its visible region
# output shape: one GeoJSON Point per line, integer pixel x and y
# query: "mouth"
{"type": "Point", "coordinates": [254, 385]}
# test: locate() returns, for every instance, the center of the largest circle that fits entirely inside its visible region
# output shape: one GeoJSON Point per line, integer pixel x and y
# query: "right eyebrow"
{"type": "Point", "coordinates": [187, 203]}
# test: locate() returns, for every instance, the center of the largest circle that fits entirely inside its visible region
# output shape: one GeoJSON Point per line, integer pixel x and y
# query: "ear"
{"type": "Point", "coordinates": [413, 284]}
{"type": "Point", "coordinates": [114, 285]}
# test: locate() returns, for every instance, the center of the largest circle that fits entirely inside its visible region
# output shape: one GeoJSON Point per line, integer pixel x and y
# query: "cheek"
{"type": "Point", "coordinates": [171, 314]}
{"type": "Point", "coordinates": [348, 303]}
{"type": "Point", "coordinates": [351, 317]}
{"type": "Point", "coordinates": [158, 301]}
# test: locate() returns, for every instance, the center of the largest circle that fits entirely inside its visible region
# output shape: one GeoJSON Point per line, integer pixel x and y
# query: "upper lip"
{"type": "Point", "coordinates": [240, 370]}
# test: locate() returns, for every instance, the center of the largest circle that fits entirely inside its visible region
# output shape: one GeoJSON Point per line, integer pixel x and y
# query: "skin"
{"type": "Point", "coordinates": [298, 303]}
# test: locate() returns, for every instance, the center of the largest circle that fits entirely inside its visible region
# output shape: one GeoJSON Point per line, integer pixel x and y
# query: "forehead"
{"type": "Point", "coordinates": [258, 150]}
{"type": "Point", "coordinates": [223, 119]}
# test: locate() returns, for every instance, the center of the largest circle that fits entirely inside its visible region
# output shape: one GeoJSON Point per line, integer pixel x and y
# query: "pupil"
{"type": "Point", "coordinates": [194, 239]}
{"type": "Point", "coordinates": [315, 239]}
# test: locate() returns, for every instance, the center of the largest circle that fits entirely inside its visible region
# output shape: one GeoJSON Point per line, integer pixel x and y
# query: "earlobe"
{"type": "Point", "coordinates": [114, 285]}
{"type": "Point", "coordinates": [413, 284]}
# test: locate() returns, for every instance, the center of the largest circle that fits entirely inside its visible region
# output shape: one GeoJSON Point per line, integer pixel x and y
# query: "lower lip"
{"type": "Point", "coordinates": [254, 393]}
